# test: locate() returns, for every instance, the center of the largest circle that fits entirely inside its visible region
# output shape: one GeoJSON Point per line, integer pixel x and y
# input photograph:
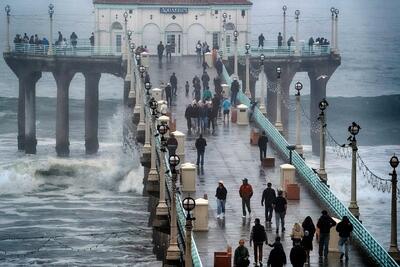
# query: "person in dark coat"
{"type": "Point", "coordinates": [234, 91]}
{"type": "Point", "coordinates": [195, 115]}
{"type": "Point", "coordinates": [168, 94]}
{"type": "Point", "coordinates": [246, 193]}
{"type": "Point", "coordinates": [172, 144]}
{"type": "Point", "coordinates": [219, 66]}
{"type": "Point", "coordinates": [325, 223]}
{"type": "Point", "coordinates": [187, 88]}
{"type": "Point", "coordinates": [188, 116]}
{"type": "Point", "coordinates": [280, 40]}
{"type": "Point", "coordinates": [298, 255]}
{"type": "Point", "coordinates": [277, 257]}
{"type": "Point", "coordinates": [262, 145]}
{"type": "Point", "coordinates": [268, 197]}
{"type": "Point", "coordinates": [174, 83]}
{"type": "Point", "coordinates": [73, 39]}
{"type": "Point", "coordinates": [160, 50]}
{"type": "Point", "coordinates": [258, 236]}
{"type": "Point", "coordinates": [220, 194]}
{"type": "Point", "coordinates": [241, 258]}
{"type": "Point", "coordinates": [261, 39]}
{"type": "Point", "coordinates": [200, 144]}
{"type": "Point", "coordinates": [205, 79]}
{"type": "Point", "coordinates": [309, 231]}
{"type": "Point", "coordinates": [290, 41]}
{"type": "Point", "coordinates": [280, 206]}
{"type": "Point", "coordinates": [344, 228]}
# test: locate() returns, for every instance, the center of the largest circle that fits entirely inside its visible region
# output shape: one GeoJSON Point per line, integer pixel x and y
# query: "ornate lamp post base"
{"type": "Point", "coordinates": [394, 253]}
{"type": "Point", "coordinates": [323, 175]}
{"type": "Point", "coordinates": [354, 209]}
{"type": "Point", "coordinates": [162, 209]}
{"type": "Point", "coordinates": [263, 109]}
{"type": "Point", "coordinates": [173, 253]}
{"type": "Point", "coordinates": [299, 150]}
{"type": "Point", "coordinates": [279, 126]}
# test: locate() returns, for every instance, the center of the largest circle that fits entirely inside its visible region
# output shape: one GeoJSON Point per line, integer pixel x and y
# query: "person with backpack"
{"type": "Point", "coordinates": [280, 206]}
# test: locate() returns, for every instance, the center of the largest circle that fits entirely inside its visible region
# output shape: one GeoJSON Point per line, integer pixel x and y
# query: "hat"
{"type": "Point", "coordinates": [324, 212]}
{"type": "Point", "coordinates": [244, 180]}
{"type": "Point", "coordinates": [221, 182]}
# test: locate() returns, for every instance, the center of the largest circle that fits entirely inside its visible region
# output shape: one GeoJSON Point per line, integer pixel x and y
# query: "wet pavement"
{"type": "Point", "coordinates": [230, 157]}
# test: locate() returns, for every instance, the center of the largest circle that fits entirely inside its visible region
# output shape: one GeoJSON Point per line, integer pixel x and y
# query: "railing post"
{"type": "Point", "coordinates": [297, 51]}
{"type": "Point", "coordinates": [321, 172]}
{"type": "Point", "coordinates": [394, 250]}
{"type": "Point", "coordinates": [51, 12]}
{"type": "Point", "coordinates": [8, 10]}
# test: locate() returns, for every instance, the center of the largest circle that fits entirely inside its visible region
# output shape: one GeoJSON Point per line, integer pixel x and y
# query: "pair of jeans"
{"type": "Point", "coordinates": [258, 251]}
{"type": "Point", "coordinates": [220, 206]}
{"type": "Point", "coordinates": [323, 244]}
{"type": "Point", "coordinates": [280, 217]}
{"type": "Point", "coordinates": [263, 153]}
{"type": "Point", "coordinates": [344, 245]}
{"type": "Point", "coordinates": [246, 203]}
{"type": "Point", "coordinates": [189, 124]}
{"type": "Point", "coordinates": [268, 212]}
{"type": "Point", "coordinates": [200, 158]}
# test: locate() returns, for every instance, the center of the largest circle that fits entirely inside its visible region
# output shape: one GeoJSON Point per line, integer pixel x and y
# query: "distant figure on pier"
{"type": "Point", "coordinates": [268, 197]}
{"type": "Point", "coordinates": [261, 39]}
{"type": "Point", "coordinates": [219, 66]}
{"type": "Point", "coordinates": [60, 38]}
{"type": "Point", "coordinates": [174, 83]}
{"type": "Point", "coordinates": [246, 192]}
{"type": "Point", "coordinates": [91, 39]}
{"type": "Point", "coordinates": [64, 46]}
{"type": "Point", "coordinates": [200, 144]}
{"type": "Point", "coordinates": [280, 40]}
{"type": "Point", "coordinates": [344, 228]}
{"type": "Point", "coordinates": [187, 86]}
{"type": "Point", "coordinates": [298, 255]}
{"type": "Point", "coordinates": [160, 51]}
{"type": "Point", "coordinates": [289, 41]}
{"type": "Point", "coordinates": [168, 50]}
{"type": "Point", "coordinates": [172, 144]}
{"type": "Point", "coordinates": [280, 207]}
{"type": "Point", "coordinates": [325, 223]}
{"type": "Point", "coordinates": [310, 43]}
{"type": "Point", "coordinates": [234, 91]}
{"type": "Point", "coordinates": [168, 94]}
{"type": "Point", "coordinates": [188, 117]}
{"type": "Point", "coordinates": [241, 257]}
{"type": "Point", "coordinates": [258, 236]}
{"type": "Point", "coordinates": [309, 231]}
{"type": "Point", "coordinates": [220, 194]}
{"type": "Point", "coordinates": [277, 256]}
{"type": "Point", "coordinates": [73, 39]}
{"type": "Point", "coordinates": [262, 145]}
{"type": "Point", "coordinates": [198, 51]}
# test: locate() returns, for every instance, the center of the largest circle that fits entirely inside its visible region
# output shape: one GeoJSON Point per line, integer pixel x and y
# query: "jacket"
{"type": "Point", "coordinates": [325, 223]}
{"type": "Point", "coordinates": [280, 204]}
{"type": "Point", "coordinates": [268, 197]}
{"type": "Point", "coordinates": [258, 234]}
{"type": "Point", "coordinates": [277, 257]}
{"type": "Point", "coordinates": [298, 256]}
{"type": "Point", "coordinates": [262, 141]}
{"type": "Point", "coordinates": [221, 192]}
{"type": "Point", "coordinates": [246, 191]}
{"type": "Point", "coordinates": [201, 144]}
{"type": "Point", "coordinates": [241, 258]}
{"type": "Point", "coordinates": [344, 229]}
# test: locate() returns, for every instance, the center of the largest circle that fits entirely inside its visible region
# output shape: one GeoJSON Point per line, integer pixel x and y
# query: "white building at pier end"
{"type": "Point", "coordinates": [182, 23]}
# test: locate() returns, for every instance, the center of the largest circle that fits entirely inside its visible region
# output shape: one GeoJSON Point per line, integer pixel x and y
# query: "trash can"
{"type": "Point", "coordinates": [287, 175]}
{"type": "Point", "coordinates": [201, 215]}
{"type": "Point", "coordinates": [144, 60]}
{"type": "Point", "coordinates": [156, 93]}
{"type": "Point", "coordinates": [223, 258]}
{"type": "Point", "coordinates": [188, 175]}
{"type": "Point", "coordinates": [242, 116]}
{"type": "Point", "coordinates": [208, 59]}
{"type": "Point", "coordinates": [180, 151]}
{"type": "Point", "coordinates": [292, 192]}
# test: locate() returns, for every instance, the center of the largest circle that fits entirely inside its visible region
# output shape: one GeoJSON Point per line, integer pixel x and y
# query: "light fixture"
{"type": "Point", "coordinates": [354, 129]}
{"type": "Point", "coordinates": [174, 161]}
{"type": "Point", "coordinates": [7, 9]}
{"type": "Point", "coordinates": [297, 13]}
{"type": "Point", "coordinates": [262, 57]}
{"type": "Point", "coordinates": [394, 162]}
{"type": "Point", "coordinates": [188, 204]}
{"type": "Point", "coordinates": [247, 47]}
{"type": "Point", "coordinates": [51, 10]}
{"type": "Point", "coordinates": [298, 86]}
{"type": "Point", "coordinates": [323, 104]}
{"type": "Point", "coordinates": [284, 8]}
{"type": "Point", "coordinates": [147, 86]}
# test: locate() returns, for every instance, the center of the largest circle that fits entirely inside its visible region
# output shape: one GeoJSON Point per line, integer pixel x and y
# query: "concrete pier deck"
{"type": "Point", "coordinates": [230, 157]}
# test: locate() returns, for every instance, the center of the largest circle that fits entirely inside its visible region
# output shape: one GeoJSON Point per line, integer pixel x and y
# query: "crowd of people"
{"type": "Point", "coordinates": [319, 41]}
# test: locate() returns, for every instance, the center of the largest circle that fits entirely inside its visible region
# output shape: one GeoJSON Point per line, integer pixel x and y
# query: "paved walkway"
{"type": "Point", "coordinates": [230, 157]}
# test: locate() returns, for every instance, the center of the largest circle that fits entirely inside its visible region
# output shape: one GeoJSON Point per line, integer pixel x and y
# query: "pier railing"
{"type": "Point", "coordinates": [81, 50]}
{"type": "Point", "coordinates": [321, 190]}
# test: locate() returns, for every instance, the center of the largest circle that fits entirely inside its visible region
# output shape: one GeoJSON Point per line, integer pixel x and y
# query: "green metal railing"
{"type": "Point", "coordinates": [81, 50]}
{"type": "Point", "coordinates": [327, 198]}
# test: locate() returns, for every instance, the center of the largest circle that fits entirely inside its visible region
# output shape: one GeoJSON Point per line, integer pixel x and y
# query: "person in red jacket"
{"type": "Point", "coordinates": [246, 192]}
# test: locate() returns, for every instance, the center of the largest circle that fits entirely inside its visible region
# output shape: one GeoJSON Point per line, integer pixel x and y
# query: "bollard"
{"type": "Point", "coordinates": [180, 151]}
{"type": "Point", "coordinates": [201, 215]}
{"type": "Point", "coordinates": [287, 175]}
{"type": "Point", "coordinates": [242, 115]}
{"type": "Point", "coordinates": [156, 93]}
{"type": "Point", "coordinates": [188, 174]}
{"type": "Point", "coordinates": [208, 59]}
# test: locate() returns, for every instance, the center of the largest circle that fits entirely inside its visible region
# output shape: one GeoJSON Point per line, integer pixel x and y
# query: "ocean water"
{"type": "Point", "coordinates": [90, 210]}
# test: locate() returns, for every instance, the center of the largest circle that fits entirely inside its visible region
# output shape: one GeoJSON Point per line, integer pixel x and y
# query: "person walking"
{"type": "Point", "coordinates": [325, 223]}
{"type": "Point", "coordinates": [205, 79]}
{"type": "Point", "coordinates": [73, 40]}
{"type": "Point", "coordinates": [234, 91]}
{"type": "Point", "coordinates": [297, 233]}
{"type": "Point", "coordinates": [246, 192]}
{"type": "Point", "coordinates": [174, 83]}
{"type": "Point", "coordinates": [200, 144]}
{"type": "Point", "coordinates": [160, 51]}
{"type": "Point", "coordinates": [268, 197]}
{"type": "Point", "coordinates": [262, 145]}
{"type": "Point", "coordinates": [258, 236]}
{"type": "Point", "coordinates": [168, 50]}
{"type": "Point", "coordinates": [226, 106]}
{"type": "Point", "coordinates": [309, 231]}
{"type": "Point", "coordinates": [280, 40]}
{"type": "Point", "coordinates": [187, 88]}
{"type": "Point", "coordinates": [290, 41]}
{"type": "Point", "coordinates": [344, 228]}
{"type": "Point", "coordinates": [280, 206]}
{"type": "Point", "coordinates": [241, 258]}
{"type": "Point", "coordinates": [298, 255]}
{"type": "Point", "coordinates": [172, 144]}
{"type": "Point", "coordinates": [277, 257]}
{"type": "Point", "coordinates": [220, 194]}
{"type": "Point", "coordinates": [168, 94]}
{"type": "Point", "coordinates": [188, 117]}
{"type": "Point", "coordinates": [261, 39]}
{"type": "Point", "coordinates": [219, 66]}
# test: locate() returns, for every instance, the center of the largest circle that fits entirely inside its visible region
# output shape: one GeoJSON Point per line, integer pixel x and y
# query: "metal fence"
{"type": "Point", "coordinates": [66, 50]}
{"type": "Point", "coordinates": [321, 190]}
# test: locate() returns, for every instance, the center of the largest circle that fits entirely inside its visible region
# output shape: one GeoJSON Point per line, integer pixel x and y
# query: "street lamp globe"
{"type": "Point", "coordinates": [132, 47]}
{"type": "Point", "coordinates": [137, 57]}
{"type": "Point", "coordinates": [147, 86]}
{"type": "Point", "coordinates": [278, 70]}
{"type": "Point", "coordinates": [323, 104]}
{"type": "Point", "coordinates": [126, 15]}
{"type": "Point", "coordinates": [333, 10]}
{"type": "Point", "coordinates": [188, 204]}
{"type": "Point", "coordinates": [7, 9]}
{"type": "Point", "coordinates": [174, 161]}
{"type": "Point", "coordinates": [235, 33]}
{"type": "Point", "coordinates": [337, 11]}
{"type": "Point", "coordinates": [142, 69]}
{"type": "Point", "coordinates": [162, 129]}
{"type": "Point", "coordinates": [153, 105]}
{"type": "Point", "coordinates": [247, 47]}
{"type": "Point", "coordinates": [224, 15]}
{"type": "Point", "coordinates": [284, 8]}
{"type": "Point", "coordinates": [262, 57]}
{"type": "Point", "coordinates": [297, 13]}
{"type": "Point", "coordinates": [51, 10]}
{"type": "Point", "coordinates": [129, 34]}
{"type": "Point", "coordinates": [298, 86]}
{"type": "Point", "coordinates": [354, 128]}
{"type": "Point", "coordinates": [394, 162]}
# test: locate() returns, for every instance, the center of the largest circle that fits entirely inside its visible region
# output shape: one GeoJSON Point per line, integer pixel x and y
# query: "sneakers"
{"type": "Point", "coordinates": [243, 216]}
{"type": "Point", "coordinates": [218, 216]}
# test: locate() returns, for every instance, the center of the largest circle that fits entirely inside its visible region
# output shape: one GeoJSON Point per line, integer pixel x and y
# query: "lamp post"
{"type": "Point", "coordinates": [8, 10]}
{"type": "Point", "coordinates": [153, 174]}
{"type": "Point", "coordinates": [51, 12]}
{"type": "Point", "coordinates": [129, 57]}
{"type": "Point", "coordinates": [299, 148]}
{"type": "Point", "coordinates": [323, 104]}
{"type": "Point", "coordinates": [284, 8]}
{"type": "Point", "coordinates": [141, 125]}
{"type": "Point", "coordinates": [278, 122]}
{"type": "Point", "coordinates": [162, 128]}
{"type": "Point", "coordinates": [138, 82]}
{"type": "Point", "coordinates": [262, 96]}
{"type": "Point", "coordinates": [336, 31]}
{"type": "Point", "coordinates": [125, 54]}
{"type": "Point", "coordinates": [147, 145]}
{"type": "Point", "coordinates": [132, 92]}
{"type": "Point", "coordinates": [332, 29]}
{"type": "Point", "coordinates": [188, 204]}
{"type": "Point", "coordinates": [353, 207]}
{"type": "Point", "coordinates": [173, 252]}
{"type": "Point", "coordinates": [235, 35]}
{"type": "Point", "coordinates": [394, 250]}
{"type": "Point", "coordinates": [297, 14]}
{"type": "Point", "coordinates": [224, 16]}
{"type": "Point", "coordinates": [247, 92]}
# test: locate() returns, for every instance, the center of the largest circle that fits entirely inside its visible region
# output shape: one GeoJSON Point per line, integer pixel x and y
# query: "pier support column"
{"type": "Point", "coordinates": [91, 111]}
{"type": "Point", "coordinates": [29, 84]}
{"type": "Point", "coordinates": [21, 115]}
{"type": "Point", "coordinates": [271, 93]}
{"type": "Point", "coordinates": [288, 73]}
{"type": "Point", "coordinates": [63, 79]}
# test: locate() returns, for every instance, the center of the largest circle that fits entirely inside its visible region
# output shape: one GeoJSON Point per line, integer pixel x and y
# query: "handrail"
{"type": "Point", "coordinates": [325, 195]}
